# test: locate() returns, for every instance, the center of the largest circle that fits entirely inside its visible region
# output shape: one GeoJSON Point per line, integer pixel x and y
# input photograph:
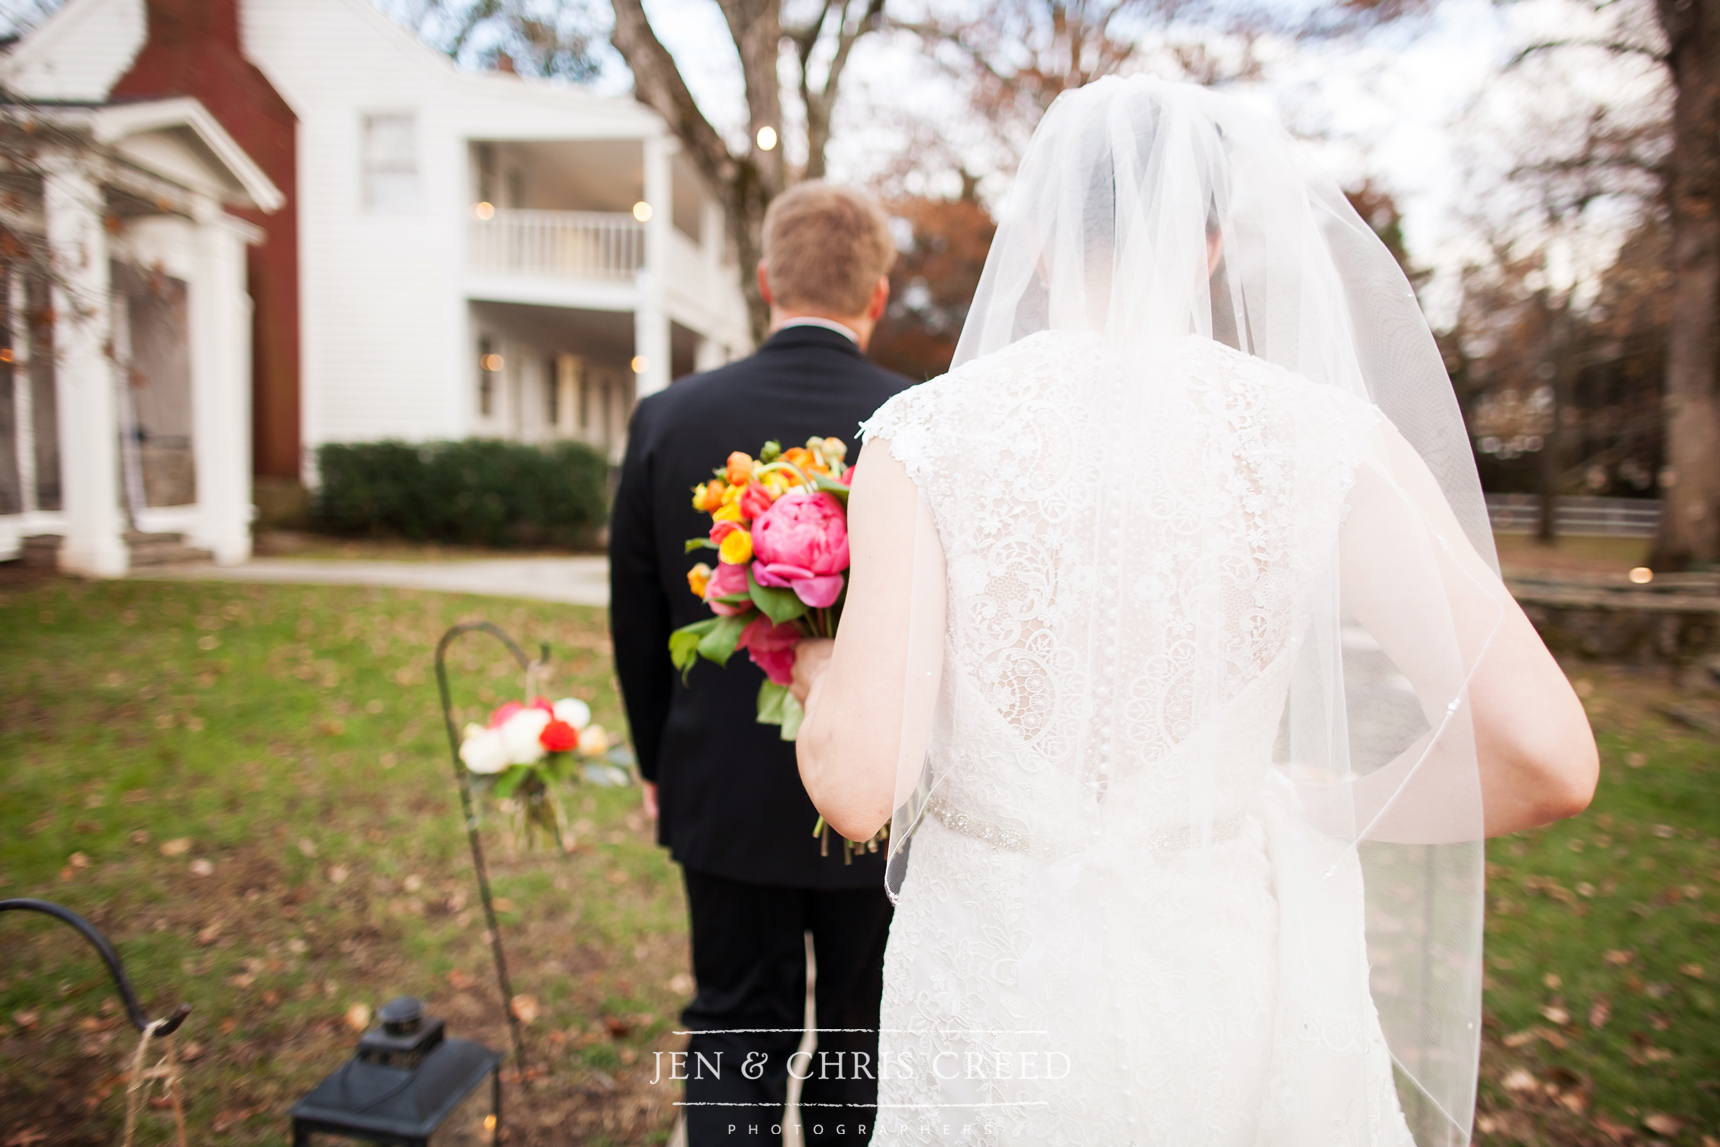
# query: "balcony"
{"type": "Point", "coordinates": [601, 246]}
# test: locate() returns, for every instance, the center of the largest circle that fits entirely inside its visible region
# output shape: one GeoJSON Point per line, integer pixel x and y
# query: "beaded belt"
{"type": "Point", "coordinates": [1166, 841]}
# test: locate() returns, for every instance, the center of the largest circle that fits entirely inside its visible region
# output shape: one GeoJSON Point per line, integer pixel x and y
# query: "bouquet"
{"type": "Point", "coordinates": [527, 752]}
{"type": "Point", "coordinates": [779, 524]}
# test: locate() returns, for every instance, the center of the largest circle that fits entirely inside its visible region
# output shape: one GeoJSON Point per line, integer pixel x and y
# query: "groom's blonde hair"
{"type": "Point", "coordinates": [825, 247]}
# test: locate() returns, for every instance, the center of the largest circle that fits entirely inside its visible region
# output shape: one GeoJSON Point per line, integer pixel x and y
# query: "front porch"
{"type": "Point", "coordinates": [125, 345]}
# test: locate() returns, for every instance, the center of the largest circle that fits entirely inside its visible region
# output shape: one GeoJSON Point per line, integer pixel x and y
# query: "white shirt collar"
{"type": "Point", "coordinates": [827, 324]}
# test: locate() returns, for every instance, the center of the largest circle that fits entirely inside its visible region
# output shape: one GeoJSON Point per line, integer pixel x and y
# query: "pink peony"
{"type": "Point", "coordinates": [771, 647]}
{"type": "Point", "coordinates": [729, 579]}
{"type": "Point", "coordinates": [501, 715]}
{"type": "Point", "coordinates": [801, 543]}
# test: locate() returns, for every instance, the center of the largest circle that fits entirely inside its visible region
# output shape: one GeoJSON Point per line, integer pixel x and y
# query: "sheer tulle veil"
{"type": "Point", "coordinates": [1146, 213]}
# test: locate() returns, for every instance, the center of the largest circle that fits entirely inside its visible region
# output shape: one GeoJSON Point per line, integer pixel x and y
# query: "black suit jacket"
{"type": "Point", "coordinates": [728, 787]}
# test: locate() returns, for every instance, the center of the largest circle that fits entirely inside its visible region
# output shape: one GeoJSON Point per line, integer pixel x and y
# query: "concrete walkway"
{"type": "Point", "coordinates": [570, 580]}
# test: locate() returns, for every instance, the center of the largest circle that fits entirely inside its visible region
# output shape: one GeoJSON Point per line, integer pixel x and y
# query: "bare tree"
{"type": "Point", "coordinates": [550, 38]}
{"type": "Point", "coordinates": [1684, 44]}
{"type": "Point", "coordinates": [747, 181]}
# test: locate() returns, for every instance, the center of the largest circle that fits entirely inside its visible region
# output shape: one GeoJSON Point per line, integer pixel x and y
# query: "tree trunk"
{"type": "Point", "coordinates": [1558, 325]}
{"type": "Point", "coordinates": [1690, 518]}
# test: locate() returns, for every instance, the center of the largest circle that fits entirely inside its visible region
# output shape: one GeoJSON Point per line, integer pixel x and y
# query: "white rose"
{"type": "Point", "coordinates": [574, 711]}
{"type": "Point", "coordinates": [520, 733]}
{"type": "Point", "coordinates": [593, 741]}
{"type": "Point", "coordinates": [483, 750]}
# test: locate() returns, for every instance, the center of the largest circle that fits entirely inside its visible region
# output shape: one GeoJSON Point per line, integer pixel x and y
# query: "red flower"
{"type": "Point", "coordinates": [722, 530]}
{"type": "Point", "coordinates": [559, 737]}
{"type": "Point", "coordinates": [771, 647]}
{"type": "Point", "coordinates": [755, 501]}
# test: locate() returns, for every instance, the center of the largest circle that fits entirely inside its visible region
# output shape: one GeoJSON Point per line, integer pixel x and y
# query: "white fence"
{"type": "Point", "coordinates": [1593, 517]}
{"type": "Point", "coordinates": [559, 244]}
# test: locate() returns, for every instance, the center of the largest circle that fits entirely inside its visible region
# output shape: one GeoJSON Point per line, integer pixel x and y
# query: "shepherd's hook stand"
{"type": "Point", "coordinates": [149, 1029]}
{"type": "Point", "coordinates": [528, 666]}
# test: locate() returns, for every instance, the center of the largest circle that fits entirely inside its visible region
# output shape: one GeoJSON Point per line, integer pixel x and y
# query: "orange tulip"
{"type": "Point", "coordinates": [698, 578]}
{"type": "Point", "coordinates": [740, 468]}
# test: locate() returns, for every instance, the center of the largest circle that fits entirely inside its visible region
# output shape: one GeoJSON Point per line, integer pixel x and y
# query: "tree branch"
{"type": "Point", "coordinates": [657, 83]}
{"type": "Point", "coordinates": [1616, 47]}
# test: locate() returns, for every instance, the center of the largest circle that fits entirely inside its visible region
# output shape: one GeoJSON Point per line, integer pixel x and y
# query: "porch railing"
{"type": "Point", "coordinates": [559, 244]}
{"type": "Point", "coordinates": [1583, 516]}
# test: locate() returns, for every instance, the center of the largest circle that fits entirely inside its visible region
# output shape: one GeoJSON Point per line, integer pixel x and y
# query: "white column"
{"type": "Point", "coordinates": [220, 314]}
{"type": "Point", "coordinates": [651, 318]}
{"type": "Point", "coordinates": [74, 204]}
{"type": "Point", "coordinates": [23, 388]}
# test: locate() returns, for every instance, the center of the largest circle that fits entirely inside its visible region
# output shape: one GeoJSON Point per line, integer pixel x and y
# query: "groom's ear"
{"type": "Point", "coordinates": [880, 297]}
{"type": "Point", "coordinates": [764, 285]}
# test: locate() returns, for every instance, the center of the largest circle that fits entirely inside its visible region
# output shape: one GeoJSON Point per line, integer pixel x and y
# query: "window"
{"type": "Point", "coordinates": [390, 163]}
{"type": "Point", "coordinates": [486, 379]}
{"type": "Point", "coordinates": [552, 391]}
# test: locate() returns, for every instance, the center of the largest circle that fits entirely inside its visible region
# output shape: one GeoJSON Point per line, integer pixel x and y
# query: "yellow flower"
{"type": "Point", "coordinates": [835, 450]}
{"type": "Point", "coordinates": [732, 494]}
{"type": "Point", "coordinates": [729, 513]}
{"type": "Point", "coordinates": [698, 578]}
{"type": "Point", "coordinates": [737, 547]}
{"type": "Point", "coordinates": [699, 493]}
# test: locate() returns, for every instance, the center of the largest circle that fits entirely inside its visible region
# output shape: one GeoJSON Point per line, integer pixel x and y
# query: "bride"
{"type": "Point", "coordinates": [1176, 658]}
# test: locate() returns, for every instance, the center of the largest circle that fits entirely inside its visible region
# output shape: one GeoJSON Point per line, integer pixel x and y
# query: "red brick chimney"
{"type": "Point", "coordinates": [193, 49]}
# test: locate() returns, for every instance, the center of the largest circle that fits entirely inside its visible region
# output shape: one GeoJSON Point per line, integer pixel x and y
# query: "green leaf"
{"type": "Point", "coordinates": [700, 544]}
{"type": "Point", "coordinates": [771, 697]}
{"type": "Point", "coordinates": [771, 452]}
{"type": "Point", "coordinates": [779, 605]}
{"type": "Point", "coordinates": [510, 781]}
{"type": "Point", "coordinates": [831, 486]}
{"type": "Point", "coordinates": [792, 716]}
{"type": "Point", "coordinates": [719, 644]}
{"type": "Point", "coordinates": [684, 644]}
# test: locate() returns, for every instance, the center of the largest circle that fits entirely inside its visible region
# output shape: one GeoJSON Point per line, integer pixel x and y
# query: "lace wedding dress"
{"type": "Point", "coordinates": [1114, 928]}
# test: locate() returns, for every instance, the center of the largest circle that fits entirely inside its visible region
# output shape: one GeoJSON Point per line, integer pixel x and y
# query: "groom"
{"type": "Point", "coordinates": [725, 789]}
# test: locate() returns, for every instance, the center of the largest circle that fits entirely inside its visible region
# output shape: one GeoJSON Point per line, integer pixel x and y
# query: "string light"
{"type": "Point", "coordinates": [766, 138]}
{"type": "Point", "coordinates": [642, 211]}
{"type": "Point", "coordinates": [640, 364]}
{"type": "Point", "coordinates": [492, 362]}
{"type": "Point", "coordinates": [484, 210]}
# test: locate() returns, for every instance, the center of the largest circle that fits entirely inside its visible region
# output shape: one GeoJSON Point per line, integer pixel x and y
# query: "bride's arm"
{"type": "Point", "coordinates": [862, 719]}
{"type": "Point", "coordinates": [1410, 576]}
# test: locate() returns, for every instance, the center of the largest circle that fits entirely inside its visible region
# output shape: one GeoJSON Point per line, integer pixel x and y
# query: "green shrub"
{"type": "Point", "coordinates": [477, 491]}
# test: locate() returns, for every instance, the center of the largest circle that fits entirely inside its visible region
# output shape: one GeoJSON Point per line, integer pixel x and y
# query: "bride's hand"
{"type": "Point", "coordinates": [811, 659]}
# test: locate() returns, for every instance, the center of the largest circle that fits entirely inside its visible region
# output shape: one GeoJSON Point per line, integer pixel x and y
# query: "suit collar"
{"type": "Point", "coordinates": [809, 336]}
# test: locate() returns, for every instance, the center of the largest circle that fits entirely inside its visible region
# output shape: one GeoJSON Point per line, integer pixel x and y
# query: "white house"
{"type": "Point", "coordinates": [478, 254]}
{"type": "Point", "coordinates": [129, 363]}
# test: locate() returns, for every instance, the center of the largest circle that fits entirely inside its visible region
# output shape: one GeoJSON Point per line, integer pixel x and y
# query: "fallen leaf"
{"type": "Point", "coordinates": [1694, 971]}
{"type": "Point", "coordinates": [1574, 1101]}
{"type": "Point", "coordinates": [525, 1009]}
{"type": "Point", "coordinates": [1517, 1039]}
{"type": "Point", "coordinates": [459, 980]}
{"type": "Point", "coordinates": [229, 1026]}
{"type": "Point", "coordinates": [1636, 760]}
{"type": "Point", "coordinates": [358, 1017]}
{"type": "Point", "coordinates": [190, 1050]}
{"type": "Point", "coordinates": [307, 846]}
{"type": "Point", "coordinates": [141, 836]}
{"type": "Point", "coordinates": [176, 846]}
{"type": "Point", "coordinates": [78, 860]}
{"type": "Point", "coordinates": [206, 936]}
{"type": "Point", "coordinates": [1519, 1080]}
{"type": "Point", "coordinates": [202, 867]}
{"type": "Point", "coordinates": [337, 873]}
{"type": "Point", "coordinates": [1665, 831]}
{"type": "Point", "coordinates": [502, 904]}
{"type": "Point", "coordinates": [616, 1027]}
{"type": "Point", "coordinates": [413, 882]}
{"type": "Point", "coordinates": [681, 984]}
{"type": "Point", "coordinates": [232, 1117]}
{"type": "Point", "coordinates": [297, 946]}
{"type": "Point", "coordinates": [1556, 1015]}
{"type": "Point", "coordinates": [1666, 1125]}
{"type": "Point", "coordinates": [242, 981]}
{"type": "Point", "coordinates": [1551, 979]}
{"type": "Point", "coordinates": [26, 1138]}
{"type": "Point", "coordinates": [27, 1019]}
{"type": "Point", "coordinates": [1617, 958]}
{"type": "Point", "coordinates": [1600, 1012]}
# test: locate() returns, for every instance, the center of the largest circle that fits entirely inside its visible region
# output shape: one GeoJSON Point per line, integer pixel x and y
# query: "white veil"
{"type": "Point", "coordinates": [1146, 213]}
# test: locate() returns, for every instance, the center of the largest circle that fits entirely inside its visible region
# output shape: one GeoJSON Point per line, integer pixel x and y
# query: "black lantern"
{"type": "Point", "coordinates": [408, 1086]}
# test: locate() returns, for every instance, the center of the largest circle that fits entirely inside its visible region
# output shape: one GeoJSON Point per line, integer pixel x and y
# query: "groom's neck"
{"type": "Point", "coordinates": [861, 325]}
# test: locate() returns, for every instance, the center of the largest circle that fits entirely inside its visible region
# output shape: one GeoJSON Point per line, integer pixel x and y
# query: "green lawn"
{"type": "Point", "coordinates": [290, 736]}
{"type": "Point", "coordinates": [248, 788]}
